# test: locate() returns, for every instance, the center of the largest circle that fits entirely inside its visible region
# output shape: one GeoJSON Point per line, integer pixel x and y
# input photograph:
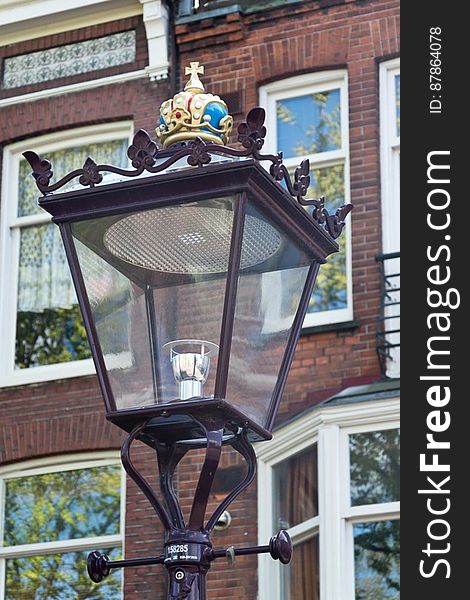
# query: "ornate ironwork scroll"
{"type": "Point", "coordinates": [146, 157]}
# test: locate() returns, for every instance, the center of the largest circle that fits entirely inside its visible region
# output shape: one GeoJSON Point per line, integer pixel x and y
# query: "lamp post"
{"type": "Point", "coordinates": [193, 270]}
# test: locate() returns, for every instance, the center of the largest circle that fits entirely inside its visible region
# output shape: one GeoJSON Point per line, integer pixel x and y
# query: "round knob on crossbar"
{"type": "Point", "coordinates": [97, 566]}
{"type": "Point", "coordinates": [280, 547]}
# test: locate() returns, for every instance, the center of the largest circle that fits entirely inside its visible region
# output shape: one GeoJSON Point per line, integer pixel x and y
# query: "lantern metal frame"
{"type": "Point", "coordinates": [213, 421]}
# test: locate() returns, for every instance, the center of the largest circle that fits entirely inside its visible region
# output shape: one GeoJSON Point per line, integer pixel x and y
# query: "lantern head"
{"type": "Point", "coordinates": [193, 270]}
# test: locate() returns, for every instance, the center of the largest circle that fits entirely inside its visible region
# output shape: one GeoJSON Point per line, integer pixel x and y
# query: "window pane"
{"type": "Point", "coordinates": [375, 466]}
{"type": "Point", "coordinates": [49, 326]}
{"type": "Point", "coordinates": [300, 580]}
{"type": "Point", "coordinates": [295, 489]}
{"type": "Point", "coordinates": [377, 560]}
{"type": "Point", "coordinates": [64, 161]}
{"type": "Point", "coordinates": [328, 182]}
{"type": "Point", "coordinates": [309, 124]}
{"type": "Point", "coordinates": [59, 577]}
{"type": "Point", "coordinates": [62, 506]}
{"type": "Point", "coordinates": [331, 290]}
{"type": "Point", "coordinates": [397, 104]}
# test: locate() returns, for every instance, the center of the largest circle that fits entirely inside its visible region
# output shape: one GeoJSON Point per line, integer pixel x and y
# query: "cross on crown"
{"type": "Point", "coordinates": [194, 69]}
{"type": "Point", "coordinates": [194, 83]}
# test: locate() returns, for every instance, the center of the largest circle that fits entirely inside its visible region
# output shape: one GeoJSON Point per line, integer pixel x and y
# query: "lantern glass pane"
{"type": "Point", "coordinates": [156, 281]}
{"type": "Point", "coordinates": [119, 310]}
{"type": "Point", "coordinates": [267, 300]}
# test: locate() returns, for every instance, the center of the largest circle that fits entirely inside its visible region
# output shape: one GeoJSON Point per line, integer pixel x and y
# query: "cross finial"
{"type": "Point", "coordinates": [194, 69]}
{"type": "Point", "coordinates": [194, 83]}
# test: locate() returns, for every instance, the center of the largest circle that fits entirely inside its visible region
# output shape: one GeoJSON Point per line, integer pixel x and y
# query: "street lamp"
{"type": "Point", "coordinates": [193, 271]}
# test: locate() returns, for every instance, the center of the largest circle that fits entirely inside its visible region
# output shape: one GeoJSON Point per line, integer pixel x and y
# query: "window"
{"type": "Point", "coordinates": [295, 501]}
{"type": "Point", "coordinates": [390, 153]}
{"type": "Point", "coordinates": [53, 515]}
{"type": "Point", "coordinates": [307, 117]}
{"type": "Point", "coordinates": [332, 480]}
{"type": "Point", "coordinates": [41, 327]}
{"type": "Point", "coordinates": [372, 511]}
{"type": "Point", "coordinates": [390, 191]}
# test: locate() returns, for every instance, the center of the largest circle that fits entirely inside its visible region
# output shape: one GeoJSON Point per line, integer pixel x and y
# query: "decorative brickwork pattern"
{"type": "Point", "coordinates": [44, 45]}
{"type": "Point", "coordinates": [70, 59]}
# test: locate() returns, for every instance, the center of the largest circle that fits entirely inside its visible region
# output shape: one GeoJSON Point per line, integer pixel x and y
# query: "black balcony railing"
{"type": "Point", "coordinates": [388, 326]}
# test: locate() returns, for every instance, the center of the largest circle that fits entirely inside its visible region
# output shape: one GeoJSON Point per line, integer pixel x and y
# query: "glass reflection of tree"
{"type": "Point", "coordinates": [331, 289]}
{"type": "Point", "coordinates": [377, 557]}
{"type": "Point", "coordinates": [60, 506]}
{"type": "Point", "coordinates": [53, 335]}
{"type": "Point", "coordinates": [59, 577]}
{"type": "Point", "coordinates": [375, 479]}
{"type": "Point", "coordinates": [323, 135]}
{"type": "Point", "coordinates": [375, 467]}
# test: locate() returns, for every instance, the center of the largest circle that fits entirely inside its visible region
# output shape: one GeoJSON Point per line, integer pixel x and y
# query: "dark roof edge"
{"type": "Point", "coordinates": [379, 390]}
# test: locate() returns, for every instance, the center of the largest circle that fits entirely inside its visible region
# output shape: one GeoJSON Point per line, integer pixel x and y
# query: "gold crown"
{"type": "Point", "coordinates": [194, 113]}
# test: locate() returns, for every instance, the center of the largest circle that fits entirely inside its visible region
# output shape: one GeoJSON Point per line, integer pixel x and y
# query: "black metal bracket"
{"type": "Point", "coordinates": [279, 547]}
{"type": "Point", "coordinates": [187, 550]}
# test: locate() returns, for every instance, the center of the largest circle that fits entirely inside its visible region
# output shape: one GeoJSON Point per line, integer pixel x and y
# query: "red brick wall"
{"type": "Point", "coordinates": [144, 535]}
{"type": "Point", "coordinates": [53, 418]}
{"type": "Point", "coordinates": [240, 53]}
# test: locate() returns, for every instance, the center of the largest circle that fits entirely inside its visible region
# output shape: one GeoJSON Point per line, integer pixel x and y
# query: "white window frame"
{"type": "Point", "coordinates": [298, 86]}
{"type": "Point", "coordinates": [329, 427]}
{"type": "Point", "coordinates": [10, 226]}
{"type": "Point", "coordinates": [53, 465]}
{"type": "Point", "coordinates": [389, 157]}
{"type": "Point", "coordinates": [390, 195]}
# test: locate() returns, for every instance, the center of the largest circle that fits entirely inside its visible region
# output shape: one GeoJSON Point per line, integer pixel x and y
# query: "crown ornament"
{"type": "Point", "coordinates": [200, 123]}
{"type": "Point", "coordinates": [193, 113]}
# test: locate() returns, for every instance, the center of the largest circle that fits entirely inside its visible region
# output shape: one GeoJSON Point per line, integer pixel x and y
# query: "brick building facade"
{"type": "Point", "coordinates": [339, 413]}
